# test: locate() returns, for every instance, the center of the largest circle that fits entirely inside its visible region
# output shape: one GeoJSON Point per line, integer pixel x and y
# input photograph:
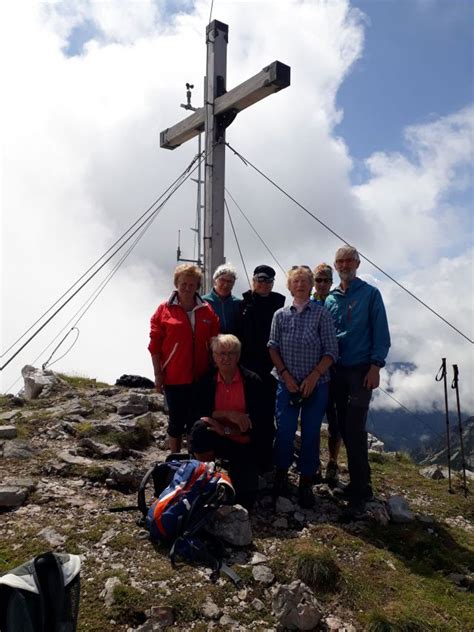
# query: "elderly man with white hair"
{"type": "Point", "coordinates": [364, 340]}
{"type": "Point", "coordinates": [221, 299]}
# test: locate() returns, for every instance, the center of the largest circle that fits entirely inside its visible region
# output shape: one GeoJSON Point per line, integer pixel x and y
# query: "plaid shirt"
{"type": "Point", "coordinates": [302, 339]}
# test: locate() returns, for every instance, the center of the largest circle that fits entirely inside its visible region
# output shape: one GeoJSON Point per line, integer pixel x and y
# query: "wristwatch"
{"type": "Point", "coordinates": [226, 431]}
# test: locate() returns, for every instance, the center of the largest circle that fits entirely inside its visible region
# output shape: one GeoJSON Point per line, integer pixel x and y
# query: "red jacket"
{"type": "Point", "coordinates": [184, 354]}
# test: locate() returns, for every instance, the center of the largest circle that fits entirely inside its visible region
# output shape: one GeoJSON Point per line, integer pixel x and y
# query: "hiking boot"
{"type": "Point", "coordinates": [332, 473]}
{"type": "Point", "coordinates": [355, 510]}
{"type": "Point", "coordinates": [306, 498]}
{"type": "Point", "coordinates": [342, 492]}
{"type": "Point", "coordinates": [281, 486]}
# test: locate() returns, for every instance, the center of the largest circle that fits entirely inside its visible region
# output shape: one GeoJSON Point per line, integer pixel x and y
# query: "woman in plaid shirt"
{"type": "Point", "coordinates": [302, 346]}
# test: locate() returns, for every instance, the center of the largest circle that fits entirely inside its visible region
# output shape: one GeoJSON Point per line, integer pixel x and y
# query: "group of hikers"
{"type": "Point", "coordinates": [239, 374]}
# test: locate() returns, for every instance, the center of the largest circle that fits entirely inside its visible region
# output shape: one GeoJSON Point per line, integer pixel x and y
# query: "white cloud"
{"type": "Point", "coordinates": [405, 195]}
{"type": "Point", "coordinates": [82, 161]}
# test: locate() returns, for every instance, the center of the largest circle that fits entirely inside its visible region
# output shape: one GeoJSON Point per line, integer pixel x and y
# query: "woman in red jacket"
{"type": "Point", "coordinates": [181, 329]}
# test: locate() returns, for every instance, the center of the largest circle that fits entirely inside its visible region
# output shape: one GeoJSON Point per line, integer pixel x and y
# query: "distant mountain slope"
{"type": "Point", "coordinates": [440, 452]}
{"type": "Point", "coordinates": [402, 431]}
{"type": "Point", "coordinates": [422, 434]}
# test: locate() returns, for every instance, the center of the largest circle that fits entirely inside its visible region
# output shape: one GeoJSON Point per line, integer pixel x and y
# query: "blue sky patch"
{"type": "Point", "coordinates": [79, 36]}
{"type": "Point", "coordinates": [416, 66]}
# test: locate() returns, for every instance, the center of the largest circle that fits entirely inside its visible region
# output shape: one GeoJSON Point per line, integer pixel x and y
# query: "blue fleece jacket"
{"type": "Point", "coordinates": [361, 324]}
{"type": "Point", "coordinates": [228, 310]}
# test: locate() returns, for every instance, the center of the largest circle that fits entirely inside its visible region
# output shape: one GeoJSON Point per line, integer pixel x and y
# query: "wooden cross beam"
{"type": "Point", "coordinates": [219, 110]}
{"type": "Point", "coordinates": [271, 79]}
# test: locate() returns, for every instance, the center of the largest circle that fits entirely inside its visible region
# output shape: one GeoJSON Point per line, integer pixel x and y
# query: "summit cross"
{"type": "Point", "coordinates": [219, 110]}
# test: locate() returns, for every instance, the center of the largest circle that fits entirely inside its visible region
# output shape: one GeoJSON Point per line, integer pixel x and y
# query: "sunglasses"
{"type": "Point", "coordinates": [321, 280]}
{"type": "Point", "coordinates": [263, 280]}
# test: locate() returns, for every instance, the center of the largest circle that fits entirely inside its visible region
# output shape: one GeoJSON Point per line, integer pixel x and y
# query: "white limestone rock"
{"type": "Point", "coordinates": [232, 524]}
{"type": "Point", "coordinates": [108, 593]}
{"type": "Point", "coordinates": [39, 383]}
{"type": "Point", "coordinates": [263, 574]}
{"type": "Point", "coordinates": [295, 606]}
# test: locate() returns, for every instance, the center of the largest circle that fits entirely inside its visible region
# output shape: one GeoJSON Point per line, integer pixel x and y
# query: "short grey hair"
{"type": "Point", "coordinates": [226, 341]}
{"type": "Point", "coordinates": [324, 269]}
{"type": "Point", "coordinates": [347, 250]}
{"type": "Point", "coordinates": [224, 268]}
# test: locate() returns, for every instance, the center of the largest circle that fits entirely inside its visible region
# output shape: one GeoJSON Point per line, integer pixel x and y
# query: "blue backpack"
{"type": "Point", "coordinates": [187, 496]}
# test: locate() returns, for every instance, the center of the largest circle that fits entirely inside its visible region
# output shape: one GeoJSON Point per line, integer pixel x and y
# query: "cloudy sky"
{"type": "Point", "coordinates": [374, 136]}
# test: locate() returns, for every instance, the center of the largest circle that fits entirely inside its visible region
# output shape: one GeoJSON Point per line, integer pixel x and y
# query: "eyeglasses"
{"type": "Point", "coordinates": [321, 280]}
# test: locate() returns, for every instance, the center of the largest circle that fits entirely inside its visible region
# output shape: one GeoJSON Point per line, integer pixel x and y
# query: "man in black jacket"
{"type": "Point", "coordinates": [258, 307]}
{"type": "Point", "coordinates": [229, 408]}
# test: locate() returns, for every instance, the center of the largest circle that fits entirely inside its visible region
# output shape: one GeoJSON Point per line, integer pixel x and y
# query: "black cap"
{"type": "Point", "coordinates": [264, 272]}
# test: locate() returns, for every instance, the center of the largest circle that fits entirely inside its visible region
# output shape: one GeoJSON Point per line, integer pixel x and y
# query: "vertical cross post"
{"type": "Point", "coordinates": [216, 75]}
{"type": "Point", "coordinates": [220, 109]}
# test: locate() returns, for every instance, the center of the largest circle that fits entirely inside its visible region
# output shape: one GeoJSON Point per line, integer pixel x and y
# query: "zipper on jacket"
{"type": "Point", "coordinates": [223, 313]}
{"type": "Point", "coordinates": [173, 351]}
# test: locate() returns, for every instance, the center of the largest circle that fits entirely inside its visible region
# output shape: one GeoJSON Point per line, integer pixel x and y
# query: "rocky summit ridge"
{"type": "Point", "coordinates": [71, 449]}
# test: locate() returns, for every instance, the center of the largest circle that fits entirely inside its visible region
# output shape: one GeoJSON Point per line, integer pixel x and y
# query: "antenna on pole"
{"type": "Point", "coordinates": [199, 181]}
{"type": "Point", "coordinates": [178, 249]}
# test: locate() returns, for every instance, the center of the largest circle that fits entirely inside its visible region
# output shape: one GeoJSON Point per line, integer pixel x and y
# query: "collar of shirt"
{"type": "Point", "coordinates": [299, 307]}
{"type": "Point", "coordinates": [174, 300]}
{"type": "Point", "coordinates": [237, 378]}
{"type": "Point", "coordinates": [353, 285]}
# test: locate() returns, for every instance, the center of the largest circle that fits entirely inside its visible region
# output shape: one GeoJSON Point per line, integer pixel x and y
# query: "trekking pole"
{"type": "Point", "coordinates": [441, 375]}
{"type": "Point", "coordinates": [455, 385]}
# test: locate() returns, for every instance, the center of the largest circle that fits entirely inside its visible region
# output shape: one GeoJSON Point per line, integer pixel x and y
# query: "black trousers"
{"type": "Point", "coordinates": [180, 400]}
{"type": "Point", "coordinates": [331, 411]}
{"type": "Point", "coordinates": [241, 456]}
{"type": "Point", "coordinates": [352, 405]}
{"type": "Point", "coordinates": [264, 432]}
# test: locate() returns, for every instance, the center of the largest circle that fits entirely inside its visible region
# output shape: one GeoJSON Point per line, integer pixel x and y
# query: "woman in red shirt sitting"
{"type": "Point", "coordinates": [228, 402]}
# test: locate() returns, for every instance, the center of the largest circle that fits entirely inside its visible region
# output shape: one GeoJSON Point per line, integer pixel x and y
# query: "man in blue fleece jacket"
{"type": "Point", "coordinates": [364, 341]}
{"type": "Point", "coordinates": [222, 301]}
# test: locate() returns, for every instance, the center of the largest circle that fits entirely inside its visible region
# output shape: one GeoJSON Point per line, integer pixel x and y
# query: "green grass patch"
{"type": "Point", "coordinates": [317, 567]}
{"type": "Point", "coordinates": [396, 474]}
{"type": "Point", "coordinates": [25, 429]}
{"type": "Point", "coordinates": [5, 402]}
{"type": "Point", "coordinates": [137, 439]}
{"type": "Point", "coordinates": [97, 473]}
{"type": "Point", "coordinates": [378, 457]}
{"type": "Point", "coordinates": [129, 605]}
{"type": "Point", "coordinates": [85, 429]}
{"type": "Point", "coordinates": [82, 381]}
{"type": "Point", "coordinates": [379, 622]}
{"type": "Point", "coordinates": [405, 581]}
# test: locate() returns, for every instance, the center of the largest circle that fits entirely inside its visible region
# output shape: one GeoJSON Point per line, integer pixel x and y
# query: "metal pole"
{"type": "Point", "coordinates": [455, 385]}
{"type": "Point", "coordinates": [216, 39]}
{"type": "Point", "coordinates": [199, 206]}
{"type": "Point", "coordinates": [442, 376]}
